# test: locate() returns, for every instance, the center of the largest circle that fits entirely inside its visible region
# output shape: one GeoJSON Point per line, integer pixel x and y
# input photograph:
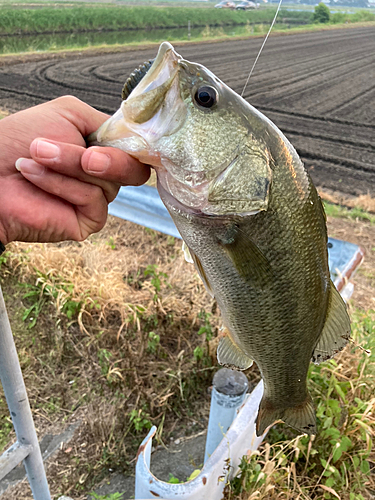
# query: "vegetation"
{"type": "Point", "coordinates": [355, 213]}
{"type": "Point", "coordinates": [321, 13]}
{"type": "Point", "coordinates": [91, 17]}
{"type": "Point", "coordinates": [358, 17]}
{"type": "Point", "coordinates": [107, 331]}
{"type": "Point", "coordinates": [65, 27]}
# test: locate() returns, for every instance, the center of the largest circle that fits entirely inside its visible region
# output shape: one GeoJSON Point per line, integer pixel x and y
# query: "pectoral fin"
{"type": "Point", "coordinates": [336, 330]}
{"type": "Point", "coordinates": [228, 354]}
{"type": "Point", "coordinates": [246, 256]}
{"type": "Point", "coordinates": [192, 258]}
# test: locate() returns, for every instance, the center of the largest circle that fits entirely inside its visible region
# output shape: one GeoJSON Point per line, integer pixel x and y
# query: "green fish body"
{"type": "Point", "coordinates": [252, 220]}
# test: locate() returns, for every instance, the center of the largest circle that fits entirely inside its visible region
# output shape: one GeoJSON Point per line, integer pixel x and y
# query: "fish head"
{"type": "Point", "coordinates": [205, 142]}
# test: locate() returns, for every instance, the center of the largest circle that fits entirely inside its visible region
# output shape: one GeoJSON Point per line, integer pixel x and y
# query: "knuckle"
{"type": "Point", "coordinates": [68, 100]}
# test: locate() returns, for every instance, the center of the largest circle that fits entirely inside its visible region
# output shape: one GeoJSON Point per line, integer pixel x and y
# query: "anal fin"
{"type": "Point", "coordinates": [301, 417]}
{"type": "Point", "coordinates": [228, 354]}
{"type": "Point", "coordinates": [336, 330]}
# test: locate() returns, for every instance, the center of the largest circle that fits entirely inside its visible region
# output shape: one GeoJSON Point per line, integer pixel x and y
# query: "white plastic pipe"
{"type": "Point", "coordinates": [221, 466]}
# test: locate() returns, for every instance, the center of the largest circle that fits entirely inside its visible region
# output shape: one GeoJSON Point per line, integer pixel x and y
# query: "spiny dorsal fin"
{"type": "Point", "coordinates": [228, 354]}
{"type": "Point", "coordinates": [301, 417]}
{"type": "Point", "coordinates": [336, 330]}
{"type": "Point", "coordinates": [193, 259]}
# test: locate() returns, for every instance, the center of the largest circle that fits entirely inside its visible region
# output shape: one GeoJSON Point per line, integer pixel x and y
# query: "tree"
{"type": "Point", "coordinates": [321, 14]}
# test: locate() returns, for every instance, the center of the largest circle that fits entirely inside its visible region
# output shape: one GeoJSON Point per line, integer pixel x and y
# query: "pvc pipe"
{"type": "Point", "coordinates": [18, 403]}
{"type": "Point", "coordinates": [228, 393]}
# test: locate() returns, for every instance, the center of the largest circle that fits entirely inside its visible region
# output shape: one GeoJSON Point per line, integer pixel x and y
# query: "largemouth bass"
{"type": "Point", "coordinates": [252, 220]}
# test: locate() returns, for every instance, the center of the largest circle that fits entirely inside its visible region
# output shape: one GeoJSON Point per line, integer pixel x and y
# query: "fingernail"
{"type": "Point", "coordinates": [98, 162]}
{"type": "Point", "coordinates": [27, 166]}
{"type": "Point", "coordinates": [47, 150]}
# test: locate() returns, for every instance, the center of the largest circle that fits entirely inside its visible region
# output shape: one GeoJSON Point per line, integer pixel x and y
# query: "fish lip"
{"type": "Point", "coordinates": [165, 67]}
{"type": "Point", "coordinates": [167, 58]}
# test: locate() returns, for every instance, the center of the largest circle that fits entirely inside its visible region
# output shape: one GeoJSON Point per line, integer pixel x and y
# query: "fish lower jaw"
{"type": "Point", "coordinates": [193, 199]}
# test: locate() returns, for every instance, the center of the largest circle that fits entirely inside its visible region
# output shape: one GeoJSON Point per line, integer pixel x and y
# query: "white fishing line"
{"type": "Point", "coordinates": [260, 50]}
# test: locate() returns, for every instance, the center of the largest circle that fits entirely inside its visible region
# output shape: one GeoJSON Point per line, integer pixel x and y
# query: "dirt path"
{"type": "Point", "coordinates": [319, 88]}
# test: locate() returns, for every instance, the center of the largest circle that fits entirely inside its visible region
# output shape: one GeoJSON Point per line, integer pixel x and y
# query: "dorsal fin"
{"type": "Point", "coordinates": [336, 330]}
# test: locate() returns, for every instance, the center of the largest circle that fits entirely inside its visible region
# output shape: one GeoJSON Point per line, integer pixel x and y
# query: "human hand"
{"type": "Point", "coordinates": [63, 191]}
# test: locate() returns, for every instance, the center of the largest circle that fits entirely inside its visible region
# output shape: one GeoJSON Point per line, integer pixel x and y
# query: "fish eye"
{"type": "Point", "coordinates": [206, 96]}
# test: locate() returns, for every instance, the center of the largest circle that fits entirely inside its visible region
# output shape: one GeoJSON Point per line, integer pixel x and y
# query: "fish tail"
{"type": "Point", "coordinates": [301, 417]}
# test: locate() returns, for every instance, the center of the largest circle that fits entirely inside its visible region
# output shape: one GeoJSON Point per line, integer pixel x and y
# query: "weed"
{"type": "Point", "coordinates": [207, 327]}
{"type": "Point", "coordinates": [49, 288]}
{"type": "Point", "coordinates": [173, 480]}
{"type": "Point", "coordinates": [140, 420]}
{"type": "Point", "coordinates": [111, 243]}
{"type": "Point", "coordinates": [201, 352]}
{"type": "Point", "coordinates": [354, 213]}
{"type": "Point", "coordinates": [6, 426]}
{"type": "Point", "coordinates": [111, 496]}
{"type": "Point", "coordinates": [157, 278]}
{"type": "Point", "coordinates": [153, 342]}
{"type": "Point", "coordinates": [109, 370]}
{"type": "Point", "coordinates": [198, 353]}
{"type": "Point", "coordinates": [94, 17]}
{"type": "Point", "coordinates": [3, 259]}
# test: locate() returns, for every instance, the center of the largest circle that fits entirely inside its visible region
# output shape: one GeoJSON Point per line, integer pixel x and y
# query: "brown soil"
{"type": "Point", "coordinates": [317, 87]}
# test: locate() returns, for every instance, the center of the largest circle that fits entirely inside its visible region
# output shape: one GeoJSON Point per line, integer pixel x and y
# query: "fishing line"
{"type": "Point", "coordinates": [260, 50]}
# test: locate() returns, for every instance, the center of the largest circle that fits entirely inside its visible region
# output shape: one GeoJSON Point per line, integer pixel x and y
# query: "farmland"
{"type": "Point", "coordinates": [317, 87]}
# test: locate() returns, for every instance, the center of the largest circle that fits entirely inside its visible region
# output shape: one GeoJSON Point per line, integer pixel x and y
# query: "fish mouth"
{"type": "Point", "coordinates": [148, 112]}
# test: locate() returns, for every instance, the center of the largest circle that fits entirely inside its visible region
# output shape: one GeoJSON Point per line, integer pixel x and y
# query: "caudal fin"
{"type": "Point", "coordinates": [301, 417]}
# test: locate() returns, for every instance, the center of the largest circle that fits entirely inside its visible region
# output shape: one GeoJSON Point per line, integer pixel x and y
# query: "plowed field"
{"type": "Point", "coordinates": [319, 88]}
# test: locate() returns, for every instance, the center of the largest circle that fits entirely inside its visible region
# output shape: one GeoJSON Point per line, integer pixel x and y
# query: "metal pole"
{"type": "Point", "coordinates": [18, 403]}
{"type": "Point", "coordinates": [189, 30]}
{"type": "Point", "coordinates": [228, 393]}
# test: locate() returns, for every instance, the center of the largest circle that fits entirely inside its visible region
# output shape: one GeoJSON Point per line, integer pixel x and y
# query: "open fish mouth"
{"type": "Point", "coordinates": [145, 115]}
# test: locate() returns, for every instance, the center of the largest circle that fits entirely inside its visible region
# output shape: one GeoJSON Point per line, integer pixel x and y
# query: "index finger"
{"type": "Point", "coordinates": [122, 168]}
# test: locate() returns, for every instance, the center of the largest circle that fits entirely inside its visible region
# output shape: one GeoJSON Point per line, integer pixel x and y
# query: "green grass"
{"type": "Point", "coordinates": [63, 27]}
{"type": "Point", "coordinates": [90, 17]}
{"type": "Point", "coordinates": [348, 213]}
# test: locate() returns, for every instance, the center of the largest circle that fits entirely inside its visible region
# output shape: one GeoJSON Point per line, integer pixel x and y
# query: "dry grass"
{"type": "Point", "coordinates": [364, 201]}
{"type": "Point", "coordinates": [3, 113]}
{"type": "Point", "coordinates": [114, 347]}
{"type": "Point", "coordinates": [124, 359]}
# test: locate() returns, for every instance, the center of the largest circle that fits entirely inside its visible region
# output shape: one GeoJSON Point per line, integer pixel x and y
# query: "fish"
{"type": "Point", "coordinates": [251, 220]}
